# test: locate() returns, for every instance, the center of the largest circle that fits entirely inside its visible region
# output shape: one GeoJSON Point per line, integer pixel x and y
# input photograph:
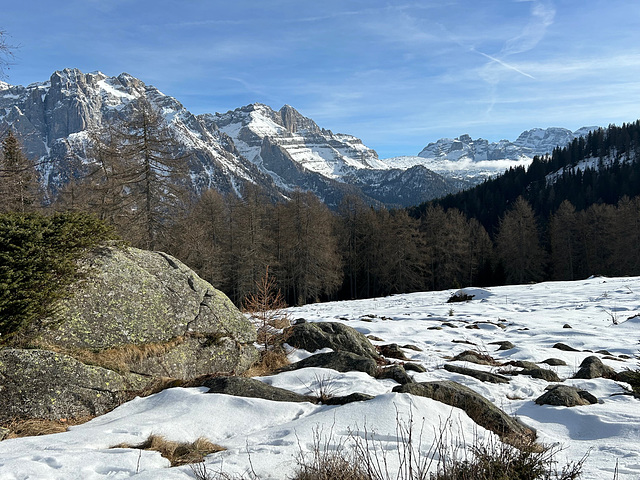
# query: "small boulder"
{"type": "Point", "coordinates": [339, 361]}
{"type": "Point", "coordinates": [592, 367]}
{"type": "Point", "coordinates": [533, 370]}
{"type": "Point", "coordinates": [554, 362]}
{"type": "Point", "coordinates": [249, 387]}
{"type": "Point", "coordinates": [565, 348]}
{"type": "Point", "coordinates": [541, 373]}
{"type": "Point", "coordinates": [566, 396]}
{"type": "Point", "coordinates": [353, 397]}
{"type": "Point", "coordinates": [475, 357]}
{"type": "Point", "coordinates": [314, 336]}
{"type": "Point", "coordinates": [395, 372]}
{"type": "Point", "coordinates": [478, 374]}
{"type": "Point", "coordinates": [392, 350]}
{"type": "Point", "coordinates": [412, 347]}
{"type": "Point", "coordinates": [414, 367]}
{"type": "Point", "coordinates": [505, 345]}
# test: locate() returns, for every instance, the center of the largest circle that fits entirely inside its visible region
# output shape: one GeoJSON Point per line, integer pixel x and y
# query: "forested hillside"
{"type": "Point", "coordinates": [572, 214]}
{"type": "Point", "coordinates": [598, 168]}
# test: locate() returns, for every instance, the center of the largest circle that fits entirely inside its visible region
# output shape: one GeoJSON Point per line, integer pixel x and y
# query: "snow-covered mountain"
{"type": "Point", "coordinates": [472, 160]}
{"type": "Point", "coordinates": [53, 119]}
{"type": "Point", "coordinates": [297, 153]}
{"type": "Point", "coordinates": [277, 151]}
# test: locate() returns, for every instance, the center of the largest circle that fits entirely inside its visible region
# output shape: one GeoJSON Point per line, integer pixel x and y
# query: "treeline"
{"type": "Point", "coordinates": [610, 171]}
{"type": "Point", "coordinates": [517, 228]}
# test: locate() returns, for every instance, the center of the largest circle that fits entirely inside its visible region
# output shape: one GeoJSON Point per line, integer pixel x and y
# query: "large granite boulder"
{"type": "Point", "coordinates": [44, 384]}
{"type": "Point", "coordinates": [137, 318]}
{"type": "Point", "coordinates": [139, 298]}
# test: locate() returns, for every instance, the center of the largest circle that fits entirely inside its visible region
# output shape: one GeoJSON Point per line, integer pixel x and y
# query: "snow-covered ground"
{"type": "Point", "coordinates": [604, 314]}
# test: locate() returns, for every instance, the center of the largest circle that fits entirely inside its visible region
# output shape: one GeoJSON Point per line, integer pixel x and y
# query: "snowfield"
{"type": "Point", "coordinates": [603, 313]}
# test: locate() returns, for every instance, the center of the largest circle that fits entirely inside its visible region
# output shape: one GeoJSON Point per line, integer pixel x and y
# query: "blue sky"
{"type": "Point", "coordinates": [396, 74]}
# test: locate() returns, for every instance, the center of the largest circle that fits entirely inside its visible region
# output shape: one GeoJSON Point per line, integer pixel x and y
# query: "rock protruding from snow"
{"type": "Point", "coordinates": [566, 396]}
{"type": "Point", "coordinates": [334, 335]}
{"type": "Point", "coordinates": [592, 367]}
{"type": "Point", "coordinates": [48, 385]}
{"type": "Point", "coordinates": [251, 388]}
{"type": "Point", "coordinates": [481, 410]}
{"type": "Point", "coordinates": [339, 361]}
{"type": "Point", "coordinates": [176, 324]}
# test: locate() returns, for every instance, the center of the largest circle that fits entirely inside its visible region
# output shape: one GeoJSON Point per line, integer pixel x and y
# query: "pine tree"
{"type": "Point", "coordinates": [141, 174]}
{"type": "Point", "coordinates": [518, 244]}
{"type": "Point", "coordinates": [357, 229]}
{"type": "Point", "coordinates": [19, 188]}
{"type": "Point", "coordinates": [309, 266]}
{"type": "Point", "coordinates": [199, 238]}
{"type": "Point", "coordinates": [400, 267]}
{"type": "Point", "coordinates": [564, 239]}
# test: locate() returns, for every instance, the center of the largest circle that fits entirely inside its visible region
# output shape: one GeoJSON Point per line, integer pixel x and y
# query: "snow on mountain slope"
{"type": "Point", "coordinates": [52, 119]}
{"type": "Point", "coordinates": [277, 150]}
{"type": "Point", "coordinates": [315, 149]}
{"type": "Point", "coordinates": [475, 160]}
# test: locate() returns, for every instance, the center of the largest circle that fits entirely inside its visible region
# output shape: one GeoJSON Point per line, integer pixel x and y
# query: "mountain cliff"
{"type": "Point", "coordinates": [278, 151]}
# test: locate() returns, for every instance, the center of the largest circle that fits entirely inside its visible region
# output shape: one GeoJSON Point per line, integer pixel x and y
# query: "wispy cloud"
{"type": "Point", "coordinates": [542, 16]}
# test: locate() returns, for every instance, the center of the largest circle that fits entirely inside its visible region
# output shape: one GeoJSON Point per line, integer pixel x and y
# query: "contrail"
{"type": "Point", "coordinates": [506, 65]}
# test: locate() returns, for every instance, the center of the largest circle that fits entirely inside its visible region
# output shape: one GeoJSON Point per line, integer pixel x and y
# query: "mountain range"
{"type": "Point", "coordinates": [278, 151]}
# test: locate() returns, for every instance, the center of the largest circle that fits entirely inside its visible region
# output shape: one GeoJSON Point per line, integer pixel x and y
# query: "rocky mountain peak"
{"type": "Point", "coordinates": [294, 122]}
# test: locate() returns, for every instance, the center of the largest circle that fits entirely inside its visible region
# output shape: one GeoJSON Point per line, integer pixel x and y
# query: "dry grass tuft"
{"type": "Point", "coordinates": [118, 358]}
{"type": "Point", "coordinates": [270, 361]}
{"type": "Point", "coordinates": [33, 427]}
{"type": "Point", "coordinates": [176, 452]}
{"type": "Point", "coordinates": [121, 358]}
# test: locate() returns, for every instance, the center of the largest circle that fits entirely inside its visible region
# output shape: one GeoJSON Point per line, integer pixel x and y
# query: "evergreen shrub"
{"type": "Point", "coordinates": [39, 262]}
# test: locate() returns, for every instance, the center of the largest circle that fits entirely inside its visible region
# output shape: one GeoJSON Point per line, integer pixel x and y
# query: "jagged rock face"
{"type": "Point", "coordinates": [52, 120]}
{"type": "Point", "coordinates": [537, 141]}
{"type": "Point", "coordinates": [314, 149]}
{"type": "Point", "coordinates": [278, 151]}
{"type": "Point", "coordinates": [299, 154]}
{"type": "Point", "coordinates": [136, 297]}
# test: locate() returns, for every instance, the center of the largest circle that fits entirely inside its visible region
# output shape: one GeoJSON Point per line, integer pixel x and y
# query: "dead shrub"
{"type": "Point", "coordinates": [270, 361]}
{"type": "Point", "coordinates": [118, 358]}
{"type": "Point", "coordinates": [266, 310]}
{"type": "Point", "coordinates": [361, 458]}
{"type": "Point", "coordinates": [495, 460]}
